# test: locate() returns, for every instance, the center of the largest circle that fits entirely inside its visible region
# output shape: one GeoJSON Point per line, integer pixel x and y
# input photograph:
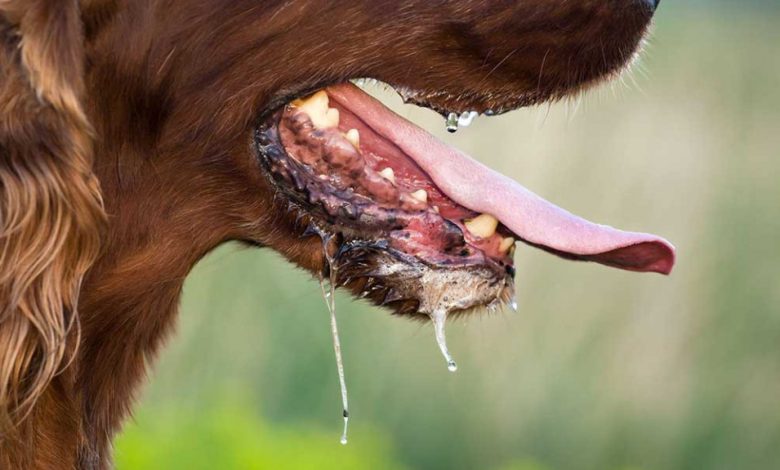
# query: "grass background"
{"type": "Point", "coordinates": [600, 369]}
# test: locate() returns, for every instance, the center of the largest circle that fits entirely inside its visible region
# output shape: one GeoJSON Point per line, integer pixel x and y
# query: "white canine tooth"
{"type": "Point", "coordinates": [353, 136]}
{"type": "Point", "coordinates": [482, 226]}
{"type": "Point", "coordinates": [318, 100]}
{"type": "Point", "coordinates": [506, 244]}
{"type": "Point", "coordinates": [421, 195]}
{"type": "Point", "coordinates": [388, 174]}
{"type": "Point", "coordinates": [316, 107]}
{"type": "Point", "coordinates": [332, 117]}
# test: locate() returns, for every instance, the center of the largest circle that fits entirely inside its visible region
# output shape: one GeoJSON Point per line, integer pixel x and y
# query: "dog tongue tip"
{"type": "Point", "coordinates": [664, 264]}
{"type": "Point", "coordinates": [654, 255]}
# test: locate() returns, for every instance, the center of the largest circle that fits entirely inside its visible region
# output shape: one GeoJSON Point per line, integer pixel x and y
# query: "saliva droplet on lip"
{"type": "Point", "coordinates": [452, 122]}
{"type": "Point", "coordinates": [455, 121]}
{"type": "Point", "coordinates": [439, 318]}
{"type": "Point", "coordinates": [465, 119]}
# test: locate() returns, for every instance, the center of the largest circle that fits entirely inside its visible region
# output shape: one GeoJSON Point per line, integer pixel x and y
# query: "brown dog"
{"type": "Point", "coordinates": [137, 135]}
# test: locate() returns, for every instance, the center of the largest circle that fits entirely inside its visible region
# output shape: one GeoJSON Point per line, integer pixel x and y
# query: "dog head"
{"type": "Point", "coordinates": [211, 121]}
{"type": "Point", "coordinates": [251, 74]}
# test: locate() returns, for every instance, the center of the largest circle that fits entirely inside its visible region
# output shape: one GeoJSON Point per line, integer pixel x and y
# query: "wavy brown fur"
{"type": "Point", "coordinates": [173, 90]}
{"type": "Point", "coordinates": [50, 207]}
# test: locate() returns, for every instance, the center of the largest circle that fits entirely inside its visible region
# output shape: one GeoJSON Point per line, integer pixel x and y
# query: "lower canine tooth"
{"type": "Point", "coordinates": [482, 226]}
{"type": "Point", "coordinates": [506, 244]}
{"type": "Point", "coordinates": [353, 136]}
{"type": "Point", "coordinates": [421, 195]}
{"type": "Point", "coordinates": [388, 174]}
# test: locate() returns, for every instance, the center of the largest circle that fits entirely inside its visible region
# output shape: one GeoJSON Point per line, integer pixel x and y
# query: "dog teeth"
{"type": "Point", "coordinates": [482, 226]}
{"type": "Point", "coordinates": [316, 107]}
{"type": "Point", "coordinates": [388, 174]}
{"type": "Point", "coordinates": [506, 244]}
{"type": "Point", "coordinates": [353, 136]}
{"type": "Point", "coordinates": [420, 195]}
{"type": "Point", "coordinates": [331, 118]}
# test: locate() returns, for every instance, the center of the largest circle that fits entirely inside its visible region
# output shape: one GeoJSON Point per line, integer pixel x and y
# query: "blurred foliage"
{"type": "Point", "coordinates": [601, 369]}
{"type": "Point", "coordinates": [227, 436]}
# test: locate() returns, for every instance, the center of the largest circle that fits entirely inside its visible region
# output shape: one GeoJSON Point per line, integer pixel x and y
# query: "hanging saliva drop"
{"type": "Point", "coordinates": [452, 122]}
{"type": "Point", "coordinates": [439, 318]}
{"type": "Point", "coordinates": [466, 118]}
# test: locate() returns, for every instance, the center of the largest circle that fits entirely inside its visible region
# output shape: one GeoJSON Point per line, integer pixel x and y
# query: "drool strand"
{"type": "Point", "coordinates": [330, 300]}
{"type": "Point", "coordinates": [439, 318]}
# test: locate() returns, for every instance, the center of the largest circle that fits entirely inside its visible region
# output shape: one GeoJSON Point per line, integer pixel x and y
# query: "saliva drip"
{"type": "Point", "coordinates": [452, 123]}
{"type": "Point", "coordinates": [330, 301]}
{"type": "Point", "coordinates": [455, 121]}
{"type": "Point", "coordinates": [439, 318]}
{"type": "Point", "coordinates": [467, 118]}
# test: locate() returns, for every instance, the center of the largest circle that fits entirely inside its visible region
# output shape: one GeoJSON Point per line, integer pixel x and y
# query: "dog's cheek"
{"type": "Point", "coordinates": [259, 215]}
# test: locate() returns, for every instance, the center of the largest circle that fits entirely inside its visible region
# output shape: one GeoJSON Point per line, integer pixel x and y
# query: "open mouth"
{"type": "Point", "coordinates": [421, 226]}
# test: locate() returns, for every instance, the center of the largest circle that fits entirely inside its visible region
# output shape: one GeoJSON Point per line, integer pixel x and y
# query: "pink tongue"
{"type": "Point", "coordinates": [481, 189]}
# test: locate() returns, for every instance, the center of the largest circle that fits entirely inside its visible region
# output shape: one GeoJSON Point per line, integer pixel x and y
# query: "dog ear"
{"type": "Point", "coordinates": [51, 211]}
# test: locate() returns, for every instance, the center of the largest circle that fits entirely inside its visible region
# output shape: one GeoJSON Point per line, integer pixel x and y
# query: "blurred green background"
{"type": "Point", "coordinates": [600, 369]}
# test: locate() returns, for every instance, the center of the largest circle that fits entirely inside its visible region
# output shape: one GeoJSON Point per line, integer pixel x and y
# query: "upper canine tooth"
{"type": "Point", "coordinates": [353, 136]}
{"type": "Point", "coordinates": [388, 174]}
{"type": "Point", "coordinates": [316, 107]}
{"type": "Point", "coordinates": [482, 226]}
{"type": "Point", "coordinates": [421, 195]}
{"type": "Point", "coordinates": [506, 244]}
{"type": "Point", "coordinates": [317, 100]}
{"type": "Point", "coordinates": [331, 118]}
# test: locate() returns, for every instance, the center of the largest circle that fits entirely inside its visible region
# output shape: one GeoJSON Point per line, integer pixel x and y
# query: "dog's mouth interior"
{"type": "Point", "coordinates": [361, 176]}
{"type": "Point", "coordinates": [420, 226]}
